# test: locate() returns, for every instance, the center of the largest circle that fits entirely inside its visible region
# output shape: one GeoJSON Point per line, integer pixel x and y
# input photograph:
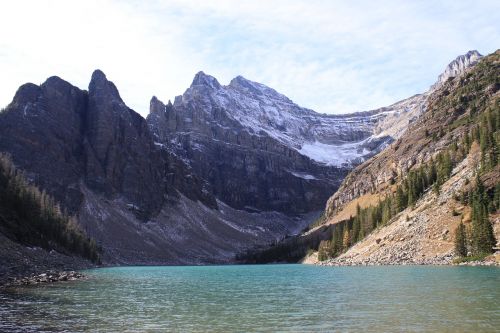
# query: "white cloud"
{"type": "Point", "coordinates": [332, 56]}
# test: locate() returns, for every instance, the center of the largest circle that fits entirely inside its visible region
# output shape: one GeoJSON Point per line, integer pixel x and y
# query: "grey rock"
{"type": "Point", "coordinates": [458, 66]}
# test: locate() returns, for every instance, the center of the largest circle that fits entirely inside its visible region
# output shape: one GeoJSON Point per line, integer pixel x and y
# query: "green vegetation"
{"type": "Point", "coordinates": [32, 217]}
{"type": "Point", "coordinates": [461, 241]}
{"type": "Point", "coordinates": [483, 239]}
{"type": "Point", "coordinates": [417, 181]}
{"type": "Point", "coordinates": [471, 258]}
{"type": "Point", "coordinates": [479, 239]}
{"type": "Point", "coordinates": [290, 249]}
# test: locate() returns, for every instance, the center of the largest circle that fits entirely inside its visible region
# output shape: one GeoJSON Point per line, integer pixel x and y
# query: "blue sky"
{"type": "Point", "coordinates": [331, 56]}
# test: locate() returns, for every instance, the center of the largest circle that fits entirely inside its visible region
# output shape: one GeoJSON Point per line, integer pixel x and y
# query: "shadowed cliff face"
{"type": "Point", "coordinates": [61, 136]}
{"type": "Point", "coordinates": [43, 131]}
{"type": "Point", "coordinates": [120, 155]}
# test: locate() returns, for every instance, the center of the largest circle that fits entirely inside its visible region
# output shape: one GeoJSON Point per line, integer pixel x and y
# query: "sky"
{"type": "Point", "coordinates": [330, 56]}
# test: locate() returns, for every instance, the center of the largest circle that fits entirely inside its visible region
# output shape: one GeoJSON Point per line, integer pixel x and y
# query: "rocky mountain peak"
{"type": "Point", "coordinates": [156, 106]}
{"type": "Point", "coordinates": [256, 89]}
{"type": "Point", "coordinates": [55, 81]}
{"type": "Point", "coordinates": [27, 93]}
{"type": "Point", "coordinates": [458, 66]}
{"type": "Point", "coordinates": [101, 87]}
{"type": "Point", "coordinates": [202, 79]}
{"type": "Point", "coordinates": [98, 75]}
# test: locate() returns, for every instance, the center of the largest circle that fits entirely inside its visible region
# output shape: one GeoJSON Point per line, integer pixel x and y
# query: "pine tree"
{"type": "Point", "coordinates": [355, 229]}
{"type": "Point", "coordinates": [337, 240]}
{"type": "Point", "coordinates": [323, 250]}
{"type": "Point", "coordinates": [35, 218]}
{"type": "Point", "coordinates": [432, 174]}
{"type": "Point", "coordinates": [461, 241]}
{"type": "Point", "coordinates": [483, 239]}
{"type": "Point", "coordinates": [386, 212]}
{"type": "Point", "coordinates": [346, 239]}
{"type": "Point", "coordinates": [401, 200]}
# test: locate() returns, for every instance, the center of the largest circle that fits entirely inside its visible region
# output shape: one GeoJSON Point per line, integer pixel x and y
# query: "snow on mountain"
{"type": "Point", "coordinates": [334, 140]}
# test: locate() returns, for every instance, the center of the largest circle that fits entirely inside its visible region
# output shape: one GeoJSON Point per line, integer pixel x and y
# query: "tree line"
{"type": "Point", "coordinates": [478, 238]}
{"type": "Point", "coordinates": [32, 217]}
{"type": "Point", "coordinates": [417, 181]}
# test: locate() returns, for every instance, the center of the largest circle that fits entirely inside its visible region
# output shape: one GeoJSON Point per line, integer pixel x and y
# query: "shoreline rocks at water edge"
{"type": "Point", "coordinates": [47, 277]}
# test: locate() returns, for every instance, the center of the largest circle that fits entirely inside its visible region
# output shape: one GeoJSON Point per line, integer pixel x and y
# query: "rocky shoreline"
{"type": "Point", "coordinates": [446, 260]}
{"type": "Point", "coordinates": [472, 263]}
{"type": "Point", "coordinates": [47, 277]}
{"type": "Point", "coordinates": [23, 265]}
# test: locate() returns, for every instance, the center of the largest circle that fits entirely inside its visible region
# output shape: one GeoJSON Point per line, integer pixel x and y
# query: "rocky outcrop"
{"type": "Point", "coordinates": [19, 263]}
{"type": "Point", "coordinates": [43, 131]}
{"type": "Point", "coordinates": [120, 156]}
{"type": "Point", "coordinates": [47, 277]}
{"type": "Point", "coordinates": [458, 66]}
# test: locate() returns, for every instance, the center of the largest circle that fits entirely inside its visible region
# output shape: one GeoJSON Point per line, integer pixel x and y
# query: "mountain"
{"type": "Point", "coordinates": [257, 150]}
{"type": "Point", "coordinates": [222, 170]}
{"type": "Point", "coordinates": [98, 159]}
{"type": "Point", "coordinates": [363, 203]}
{"type": "Point", "coordinates": [427, 181]}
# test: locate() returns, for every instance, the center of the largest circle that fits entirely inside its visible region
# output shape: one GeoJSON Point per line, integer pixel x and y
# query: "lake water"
{"type": "Point", "coordinates": [261, 298]}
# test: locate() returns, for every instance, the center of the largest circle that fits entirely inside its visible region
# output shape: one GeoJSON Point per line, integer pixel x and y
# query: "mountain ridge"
{"type": "Point", "coordinates": [220, 170]}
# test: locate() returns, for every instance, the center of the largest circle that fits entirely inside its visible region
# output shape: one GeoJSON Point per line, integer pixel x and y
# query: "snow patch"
{"type": "Point", "coordinates": [304, 175]}
{"type": "Point", "coordinates": [334, 155]}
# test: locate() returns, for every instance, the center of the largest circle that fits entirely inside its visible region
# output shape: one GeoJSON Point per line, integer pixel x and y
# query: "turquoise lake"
{"type": "Point", "coordinates": [261, 298]}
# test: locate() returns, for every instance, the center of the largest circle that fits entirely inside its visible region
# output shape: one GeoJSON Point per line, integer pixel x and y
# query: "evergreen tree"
{"type": "Point", "coordinates": [355, 228]}
{"type": "Point", "coordinates": [35, 218]}
{"type": "Point", "coordinates": [323, 250]}
{"type": "Point", "coordinates": [386, 212]}
{"type": "Point", "coordinates": [401, 200]}
{"type": "Point", "coordinates": [483, 239]}
{"type": "Point", "coordinates": [461, 241]}
{"type": "Point", "coordinates": [346, 240]}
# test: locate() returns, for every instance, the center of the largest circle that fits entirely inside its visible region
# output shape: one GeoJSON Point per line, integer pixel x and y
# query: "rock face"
{"type": "Point", "coordinates": [78, 145]}
{"type": "Point", "coordinates": [42, 130]}
{"type": "Point", "coordinates": [458, 66]}
{"type": "Point", "coordinates": [257, 150]}
{"type": "Point", "coordinates": [120, 156]}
